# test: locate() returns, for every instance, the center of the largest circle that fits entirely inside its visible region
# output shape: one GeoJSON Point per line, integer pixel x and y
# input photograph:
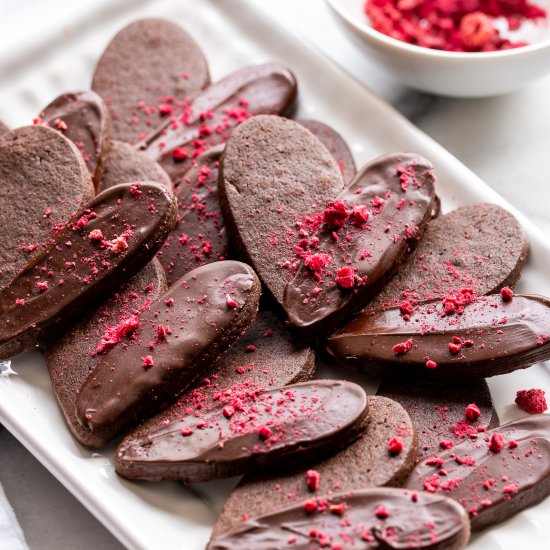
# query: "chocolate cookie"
{"type": "Point", "coordinates": [148, 68]}
{"type": "Point", "coordinates": [212, 114]}
{"type": "Point", "coordinates": [83, 118]}
{"type": "Point", "coordinates": [361, 519]}
{"type": "Point", "coordinates": [199, 237]}
{"type": "Point", "coordinates": [478, 246]}
{"type": "Point", "coordinates": [43, 181]}
{"type": "Point", "coordinates": [124, 164]}
{"type": "Point", "coordinates": [443, 415]}
{"type": "Point", "coordinates": [249, 429]}
{"type": "Point", "coordinates": [459, 337]}
{"type": "Point", "coordinates": [107, 242]}
{"type": "Point", "coordinates": [72, 356]}
{"type": "Point", "coordinates": [320, 252]}
{"type": "Point", "coordinates": [173, 341]}
{"type": "Point", "coordinates": [495, 475]}
{"type": "Point", "coordinates": [336, 145]}
{"type": "Point", "coordinates": [366, 463]}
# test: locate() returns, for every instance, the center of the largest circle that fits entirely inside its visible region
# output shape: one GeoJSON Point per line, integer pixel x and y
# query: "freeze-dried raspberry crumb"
{"type": "Point", "coordinates": [345, 277]}
{"type": "Point", "coordinates": [96, 235]}
{"type": "Point", "coordinates": [180, 153]}
{"type": "Point", "coordinates": [186, 431]}
{"type": "Point", "coordinates": [312, 480]}
{"type": "Point", "coordinates": [506, 294]}
{"type": "Point", "coordinates": [335, 214]}
{"type": "Point", "coordinates": [403, 347]}
{"type": "Point", "coordinates": [497, 442]}
{"type": "Point", "coordinates": [381, 512]}
{"type": "Point", "coordinates": [230, 302]}
{"type": "Point", "coordinates": [147, 361]}
{"type": "Point", "coordinates": [264, 432]}
{"type": "Point", "coordinates": [431, 364]}
{"type": "Point", "coordinates": [472, 412]}
{"type": "Point", "coordinates": [310, 506]}
{"type": "Point", "coordinates": [532, 401]}
{"type": "Point", "coordinates": [395, 446]}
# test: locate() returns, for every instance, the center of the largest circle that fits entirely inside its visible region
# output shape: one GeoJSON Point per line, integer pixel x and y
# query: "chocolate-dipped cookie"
{"type": "Point", "coordinates": [148, 68]}
{"type": "Point", "coordinates": [106, 242]}
{"type": "Point", "coordinates": [443, 415]}
{"type": "Point", "coordinates": [83, 118]}
{"type": "Point", "coordinates": [212, 114]}
{"type": "Point", "coordinates": [495, 475]}
{"type": "Point", "coordinates": [173, 341]}
{"type": "Point", "coordinates": [249, 429]}
{"type": "Point", "coordinates": [72, 356]}
{"type": "Point", "coordinates": [366, 463]}
{"type": "Point", "coordinates": [43, 181]}
{"type": "Point", "coordinates": [321, 252]}
{"type": "Point", "coordinates": [459, 337]}
{"type": "Point", "coordinates": [125, 164]}
{"type": "Point", "coordinates": [336, 145]}
{"type": "Point", "coordinates": [361, 519]}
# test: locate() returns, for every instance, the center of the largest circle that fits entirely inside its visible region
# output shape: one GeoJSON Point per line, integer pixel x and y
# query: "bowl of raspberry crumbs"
{"type": "Point", "coordinates": [456, 48]}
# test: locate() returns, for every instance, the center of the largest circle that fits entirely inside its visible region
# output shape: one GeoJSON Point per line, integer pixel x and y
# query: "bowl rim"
{"type": "Point", "coordinates": [412, 49]}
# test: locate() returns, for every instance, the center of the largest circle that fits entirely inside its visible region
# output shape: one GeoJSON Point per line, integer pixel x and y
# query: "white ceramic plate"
{"type": "Point", "coordinates": [233, 33]}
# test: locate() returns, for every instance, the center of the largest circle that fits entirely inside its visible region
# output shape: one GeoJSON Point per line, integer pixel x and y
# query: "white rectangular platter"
{"type": "Point", "coordinates": [233, 33]}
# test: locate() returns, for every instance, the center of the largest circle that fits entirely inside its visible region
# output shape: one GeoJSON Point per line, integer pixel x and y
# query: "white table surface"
{"type": "Point", "coordinates": [505, 140]}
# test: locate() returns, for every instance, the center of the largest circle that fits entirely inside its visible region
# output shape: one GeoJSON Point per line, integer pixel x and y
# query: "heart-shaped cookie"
{"type": "Point", "coordinates": [147, 68]}
{"type": "Point", "coordinates": [321, 251]}
{"type": "Point", "coordinates": [43, 182]}
{"type": "Point", "coordinates": [72, 356]}
{"type": "Point", "coordinates": [83, 118]}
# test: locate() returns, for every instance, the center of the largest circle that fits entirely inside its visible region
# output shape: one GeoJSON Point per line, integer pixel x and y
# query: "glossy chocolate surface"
{"type": "Point", "coordinates": [84, 119]}
{"type": "Point", "coordinates": [374, 250]}
{"type": "Point", "coordinates": [490, 337]}
{"type": "Point", "coordinates": [363, 520]}
{"type": "Point", "coordinates": [492, 485]}
{"type": "Point", "coordinates": [118, 232]}
{"type": "Point", "coordinates": [187, 329]}
{"type": "Point", "coordinates": [298, 421]}
{"type": "Point", "coordinates": [214, 112]}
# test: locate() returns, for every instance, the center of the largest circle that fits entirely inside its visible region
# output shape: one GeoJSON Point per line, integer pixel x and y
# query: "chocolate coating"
{"type": "Point", "coordinates": [125, 164]}
{"type": "Point", "coordinates": [71, 356]}
{"type": "Point", "coordinates": [365, 463]}
{"type": "Point", "coordinates": [76, 269]}
{"type": "Point", "coordinates": [438, 410]}
{"type": "Point", "coordinates": [336, 145]}
{"type": "Point", "coordinates": [499, 337]}
{"type": "Point", "coordinates": [43, 181]}
{"type": "Point", "coordinates": [428, 521]}
{"type": "Point", "coordinates": [83, 118]}
{"type": "Point", "coordinates": [206, 311]}
{"type": "Point", "coordinates": [199, 237]}
{"type": "Point", "coordinates": [303, 421]}
{"type": "Point", "coordinates": [213, 113]}
{"type": "Point", "coordinates": [493, 486]}
{"type": "Point", "coordinates": [145, 64]}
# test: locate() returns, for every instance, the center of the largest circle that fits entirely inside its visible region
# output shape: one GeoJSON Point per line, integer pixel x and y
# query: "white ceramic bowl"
{"type": "Point", "coordinates": [452, 74]}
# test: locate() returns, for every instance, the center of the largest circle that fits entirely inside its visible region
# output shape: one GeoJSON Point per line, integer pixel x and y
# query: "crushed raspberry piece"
{"type": "Point", "coordinates": [264, 432]}
{"type": "Point", "coordinates": [512, 444]}
{"type": "Point", "coordinates": [250, 348]}
{"type": "Point", "coordinates": [446, 444]}
{"type": "Point", "coordinates": [345, 277]}
{"type": "Point", "coordinates": [180, 153]}
{"type": "Point", "coordinates": [113, 335]}
{"type": "Point", "coordinates": [532, 401]}
{"type": "Point", "coordinates": [312, 480]}
{"type": "Point", "coordinates": [497, 443]}
{"type": "Point", "coordinates": [117, 245]}
{"type": "Point", "coordinates": [310, 506]}
{"type": "Point", "coordinates": [230, 302]}
{"type": "Point", "coordinates": [472, 412]}
{"type": "Point", "coordinates": [395, 446]}
{"type": "Point", "coordinates": [337, 509]}
{"type": "Point", "coordinates": [42, 286]}
{"type": "Point", "coordinates": [403, 347]}
{"type": "Point", "coordinates": [381, 512]}
{"type": "Point", "coordinates": [335, 214]}
{"type": "Point", "coordinates": [316, 262]}
{"type": "Point", "coordinates": [454, 348]}
{"type": "Point", "coordinates": [96, 235]}
{"type": "Point", "coordinates": [147, 361]}
{"type": "Point", "coordinates": [165, 109]}
{"type": "Point", "coordinates": [228, 411]}
{"type": "Point", "coordinates": [431, 364]}
{"type": "Point", "coordinates": [186, 431]}
{"type": "Point", "coordinates": [506, 294]}
{"type": "Point", "coordinates": [359, 216]}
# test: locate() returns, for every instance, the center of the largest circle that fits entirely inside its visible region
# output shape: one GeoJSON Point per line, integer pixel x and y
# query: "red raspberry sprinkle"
{"type": "Point", "coordinates": [264, 432]}
{"type": "Point", "coordinates": [180, 153]}
{"type": "Point", "coordinates": [395, 446]}
{"type": "Point", "coordinates": [446, 444]}
{"type": "Point", "coordinates": [454, 348]}
{"type": "Point", "coordinates": [230, 302]}
{"type": "Point", "coordinates": [403, 347]}
{"type": "Point", "coordinates": [335, 214]}
{"type": "Point", "coordinates": [381, 512]}
{"type": "Point", "coordinates": [42, 286]}
{"type": "Point", "coordinates": [310, 506]}
{"type": "Point", "coordinates": [186, 431]}
{"type": "Point", "coordinates": [147, 361]}
{"type": "Point", "coordinates": [165, 109]}
{"type": "Point", "coordinates": [312, 480]}
{"type": "Point", "coordinates": [345, 277]}
{"type": "Point", "coordinates": [497, 443]}
{"type": "Point", "coordinates": [431, 364]}
{"type": "Point", "coordinates": [506, 294]}
{"type": "Point", "coordinates": [532, 401]}
{"type": "Point", "coordinates": [472, 412]}
{"type": "Point", "coordinates": [338, 509]}
{"type": "Point", "coordinates": [228, 411]}
{"type": "Point", "coordinates": [96, 235]}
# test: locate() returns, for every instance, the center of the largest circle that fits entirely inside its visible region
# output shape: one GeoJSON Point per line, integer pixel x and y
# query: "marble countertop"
{"type": "Point", "coordinates": [505, 140]}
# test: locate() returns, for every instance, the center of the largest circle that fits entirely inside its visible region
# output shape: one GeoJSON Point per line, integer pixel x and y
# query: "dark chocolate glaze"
{"type": "Point", "coordinates": [202, 325]}
{"type": "Point", "coordinates": [438, 410]}
{"type": "Point", "coordinates": [426, 521]}
{"type": "Point", "coordinates": [75, 271]}
{"type": "Point", "coordinates": [389, 236]}
{"type": "Point", "coordinates": [515, 478]}
{"type": "Point", "coordinates": [199, 237]}
{"type": "Point", "coordinates": [257, 89]}
{"type": "Point", "coordinates": [502, 337]}
{"type": "Point", "coordinates": [336, 145]}
{"type": "Point", "coordinates": [305, 420]}
{"type": "Point", "coordinates": [84, 118]}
